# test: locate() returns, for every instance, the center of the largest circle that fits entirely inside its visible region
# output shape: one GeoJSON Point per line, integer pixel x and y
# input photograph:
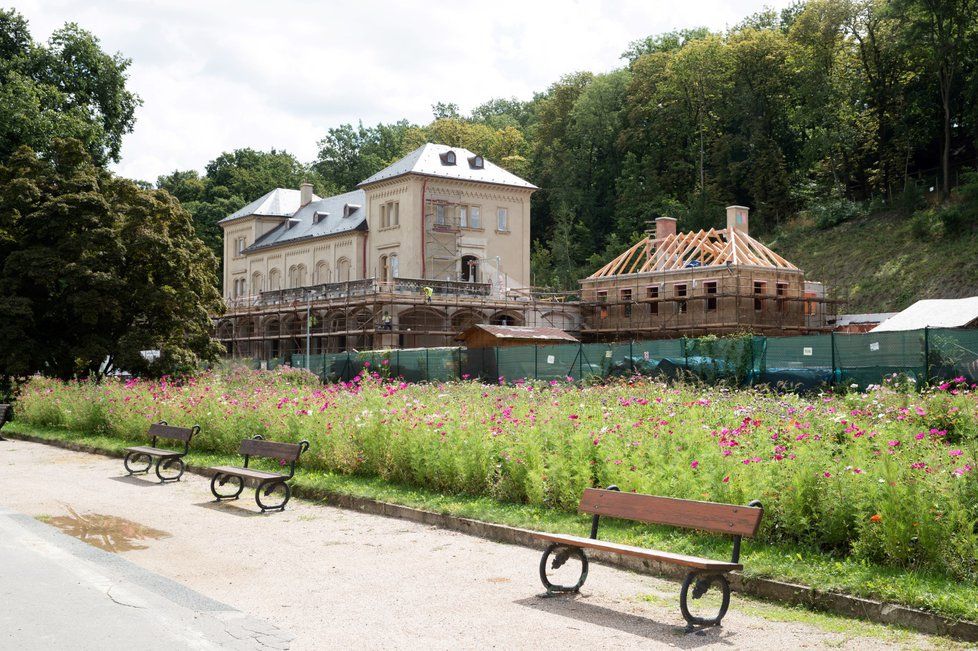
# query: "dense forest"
{"type": "Point", "coordinates": [825, 110]}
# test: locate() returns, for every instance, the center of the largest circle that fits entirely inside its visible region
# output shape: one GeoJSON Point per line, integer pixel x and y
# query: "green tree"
{"type": "Point", "coordinates": [348, 154]}
{"type": "Point", "coordinates": [67, 88]}
{"type": "Point", "coordinates": [95, 269]}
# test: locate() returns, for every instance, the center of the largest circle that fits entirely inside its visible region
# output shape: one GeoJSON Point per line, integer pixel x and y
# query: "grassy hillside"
{"type": "Point", "coordinates": [884, 262]}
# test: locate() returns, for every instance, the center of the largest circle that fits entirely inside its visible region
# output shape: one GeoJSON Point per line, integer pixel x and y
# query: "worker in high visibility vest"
{"type": "Point", "coordinates": [428, 292]}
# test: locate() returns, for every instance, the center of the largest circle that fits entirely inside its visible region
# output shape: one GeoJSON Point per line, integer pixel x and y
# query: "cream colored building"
{"type": "Point", "coordinates": [362, 263]}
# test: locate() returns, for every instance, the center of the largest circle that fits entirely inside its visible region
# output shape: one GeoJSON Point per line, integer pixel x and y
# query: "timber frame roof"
{"type": "Point", "coordinates": [715, 247]}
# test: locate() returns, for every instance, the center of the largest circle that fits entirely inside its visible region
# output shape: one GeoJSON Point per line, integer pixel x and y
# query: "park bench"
{"type": "Point", "coordinates": [737, 521]}
{"type": "Point", "coordinates": [6, 415]}
{"type": "Point", "coordinates": [165, 459]}
{"type": "Point", "coordinates": [266, 483]}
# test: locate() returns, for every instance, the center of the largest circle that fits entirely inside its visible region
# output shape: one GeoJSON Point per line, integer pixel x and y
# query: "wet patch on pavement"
{"type": "Point", "coordinates": [108, 532]}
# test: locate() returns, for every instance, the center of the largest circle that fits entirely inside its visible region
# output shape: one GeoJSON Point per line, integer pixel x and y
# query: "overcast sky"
{"type": "Point", "coordinates": [218, 75]}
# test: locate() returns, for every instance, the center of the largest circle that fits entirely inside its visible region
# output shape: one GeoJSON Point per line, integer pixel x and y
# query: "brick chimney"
{"type": "Point", "coordinates": [737, 218]}
{"type": "Point", "coordinates": [305, 191]}
{"type": "Point", "coordinates": [664, 227]}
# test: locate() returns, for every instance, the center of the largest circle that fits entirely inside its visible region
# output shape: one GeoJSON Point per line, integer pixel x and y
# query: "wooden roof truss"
{"type": "Point", "coordinates": [692, 250]}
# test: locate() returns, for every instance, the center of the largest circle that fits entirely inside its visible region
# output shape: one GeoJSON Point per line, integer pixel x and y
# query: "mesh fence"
{"type": "Point", "coordinates": [802, 362]}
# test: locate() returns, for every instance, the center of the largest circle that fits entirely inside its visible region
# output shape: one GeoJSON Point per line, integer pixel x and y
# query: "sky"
{"type": "Point", "coordinates": [216, 75]}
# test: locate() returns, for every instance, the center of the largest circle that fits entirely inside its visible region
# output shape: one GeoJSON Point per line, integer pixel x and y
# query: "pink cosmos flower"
{"type": "Point", "coordinates": [694, 465]}
{"type": "Point", "coordinates": [955, 453]}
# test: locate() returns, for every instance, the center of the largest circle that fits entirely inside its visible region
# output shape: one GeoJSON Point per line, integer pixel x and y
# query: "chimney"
{"type": "Point", "coordinates": [305, 191]}
{"type": "Point", "coordinates": [664, 227]}
{"type": "Point", "coordinates": [737, 218]}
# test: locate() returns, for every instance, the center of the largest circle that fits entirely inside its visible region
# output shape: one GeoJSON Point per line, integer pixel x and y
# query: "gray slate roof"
{"type": "Point", "coordinates": [426, 160]}
{"type": "Point", "coordinates": [280, 202]}
{"type": "Point", "coordinates": [304, 225]}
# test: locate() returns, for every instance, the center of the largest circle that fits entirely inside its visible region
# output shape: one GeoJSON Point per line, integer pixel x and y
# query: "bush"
{"type": "Point", "coordinates": [834, 211]}
{"type": "Point", "coordinates": [887, 475]}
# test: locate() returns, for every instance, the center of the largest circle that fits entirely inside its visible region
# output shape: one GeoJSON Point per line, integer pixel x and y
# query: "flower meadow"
{"type": "Point", "coordinates": [889, 475]}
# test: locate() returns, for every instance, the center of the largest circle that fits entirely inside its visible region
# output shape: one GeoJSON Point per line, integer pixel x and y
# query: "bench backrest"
{"type": "Point", "coordinates": [163, 431]}
{"type": "Point", "coordinates": [689, 514]}
{"type": "Point", "coordinates": [6, 414]}
{"type": "Point", "coordinates": [288, 452]}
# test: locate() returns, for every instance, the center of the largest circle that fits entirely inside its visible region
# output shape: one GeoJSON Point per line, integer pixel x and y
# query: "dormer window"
{"type": "Point", "coordinates": [291, 223]}
{"type": "Point", "coordinates": [477, 162]}
{"type": "Point", "coordinates": [350, 208]}
{"type": "Point", "coordinates": [448, 158]}
{"type": "Point", "coordinates": [319, 216]}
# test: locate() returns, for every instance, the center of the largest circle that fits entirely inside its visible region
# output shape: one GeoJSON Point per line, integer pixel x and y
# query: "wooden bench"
{"type": "Point", "coordinates": [265, 482]}
{"type": "Point", "coordinates": [737, 521]}
{"type": "Point", "coordinates": [6, 415]}
{"type": "Point", "coordinates": [165, 459]}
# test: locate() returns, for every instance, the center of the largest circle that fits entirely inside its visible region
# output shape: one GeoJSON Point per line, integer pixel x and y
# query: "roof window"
{"type": "Point", "coordinates": [350, 208]}
{"type": "Point", "coordinates": [319, 216]}
{"type": "Point", "coordinates": [477, 162]}
{"type": "Point", "coordinates": [448, 158]}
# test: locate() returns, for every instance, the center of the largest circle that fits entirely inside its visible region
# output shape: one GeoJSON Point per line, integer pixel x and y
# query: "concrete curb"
{"type": "Point", "coordinates": [768, 589]}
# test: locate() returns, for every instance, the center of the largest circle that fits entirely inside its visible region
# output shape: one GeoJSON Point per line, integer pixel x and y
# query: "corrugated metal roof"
{"type": "Point", "coordinates": [519, 332]}
{"type": "Point", "coordinates": [305, 224]}
{"type": "Point", "coordinates": [280, 202]}
{"type": "Point", "coordinates": [933, 313]}
{"type": "Point", "coordinates": [427, 160]}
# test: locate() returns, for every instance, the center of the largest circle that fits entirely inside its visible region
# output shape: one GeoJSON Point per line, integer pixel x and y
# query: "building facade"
{"type": "Point", "coordinates": [425, 248]}
{"type": "Point", "coordinates": [720, 281]}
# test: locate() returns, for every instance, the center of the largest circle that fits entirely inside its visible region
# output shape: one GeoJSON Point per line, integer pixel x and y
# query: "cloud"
{"type": "Point", "coordinates": [219, 75]}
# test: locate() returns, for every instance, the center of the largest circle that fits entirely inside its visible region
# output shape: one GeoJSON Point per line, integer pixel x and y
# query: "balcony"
{"type": "Point", "coordinates": [367, 287]}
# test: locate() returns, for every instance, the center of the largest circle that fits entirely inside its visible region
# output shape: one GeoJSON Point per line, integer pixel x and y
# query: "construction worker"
{"type": "Point", "coordinates": [387, 321]}
{"type": "Point", "coordinates": [428, 292]}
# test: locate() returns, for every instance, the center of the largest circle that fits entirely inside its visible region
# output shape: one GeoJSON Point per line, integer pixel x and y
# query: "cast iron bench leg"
{"type": "Point", "coordinates": [559, 559]}
{"type": "Point", "coordinates": [221, 478]}
{"type": "Point", "coordinates": [165, 464]}
{"type": "Point", "coordinates": [700, 584]}
{"type": "Point", "coordinates": [132, 457]}
{"type": "Point", "coordinates": [267, 488]}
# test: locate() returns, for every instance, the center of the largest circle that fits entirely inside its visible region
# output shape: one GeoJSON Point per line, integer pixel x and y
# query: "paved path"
{"type": "Point", "coordinates": [330, 577]}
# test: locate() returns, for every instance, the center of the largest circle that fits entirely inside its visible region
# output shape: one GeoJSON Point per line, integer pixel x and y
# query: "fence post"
{"type": "Point", "coordinates": [832, 345]}
{"type": "Point", "coordinates": [926, 378]}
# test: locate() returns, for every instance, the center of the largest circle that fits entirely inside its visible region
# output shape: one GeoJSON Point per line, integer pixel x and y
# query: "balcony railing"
{"type": "Point", "coordinates": [365, 287]}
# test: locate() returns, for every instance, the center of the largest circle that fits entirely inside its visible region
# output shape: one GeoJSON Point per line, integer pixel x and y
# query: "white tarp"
{"type": "Point", "coordinates": [933, 313]}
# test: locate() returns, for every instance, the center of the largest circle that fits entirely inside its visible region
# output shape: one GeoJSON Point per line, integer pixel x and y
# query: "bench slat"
{"type": "Point", "coordinates": [245, 472]}
{"type": "Point", "coordinates": [271, 449]}
{"type": "Point", "coordinates": [705, 516]}
{"type": "Point", "coordinates": [182, 434]}
{"type": "Point", "coordinates": [156, 452]}
{"type": "Point", "coordinates": [694, 562]}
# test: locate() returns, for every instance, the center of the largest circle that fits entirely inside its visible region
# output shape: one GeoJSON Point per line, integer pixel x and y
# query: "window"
{"type": "Point", "coordinates": [710, 287]}
{"type": "Point", "coordinates": [383, 269]}
{"type": "Point", "coordinates": [470, 269]}
{"type": "Point", "coordinates": [502, 219]}
{"type": "Point", "coordinates": [275, 279]}
{"type": "Point", "coordinates": [322, 272]}
{"type": "Point", "coordinates": [602, 309]}
{"type": "Point", "coordinates": [477, 162]}
{"type": "Point", "coordinates": [680, 291]}
{"type": "Point", "coordinates": [239, 246]}
{"type": "Point", "coordinates": [395, 270]}
{"type": "Point", "coordinates": [759, 286]}
{"type": "Point", "coordinates": [781, 289]}
{"type": "Point", "coordinates": [653, 295]}
{"type": "Point", "coordinates": [389, 214]}
{"type": "Point", "coordinates": [394, 213]}
{"type": "Point", "coordinates": [256, 284]}
{"type": "Point", "coordinates": [343, 270]}
{"type": "Point", "coordinates": [384, 217]}
{"type": "Point", "coordinates": [626, 298]}
{"type": "Point", "coordinates": [475, 221]}
{"type": "Point", "coordinates": [440, 215]}
{"type": "Point", "coordinates": [448, 158]}
{"type": "Point", "coordinates": [463, 216]}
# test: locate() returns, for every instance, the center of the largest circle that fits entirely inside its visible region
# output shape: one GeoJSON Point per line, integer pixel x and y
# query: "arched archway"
{"type": "Point", "coordinates": [507, 317]}
{"type": "Point", "coordinates": [560, 320]}
{"type": "Point", "coordinates": [465, 319]}
{"type": "Point", "coordinates": [423, 327]}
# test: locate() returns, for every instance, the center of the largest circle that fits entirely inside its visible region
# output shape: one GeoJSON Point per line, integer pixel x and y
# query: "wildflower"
{"type": "Point", "coordinates": [876, 517]}
{"type": "Point", "coordinates": [955, 453]}
{"type": "Point", "coordinates": [694, 465]}
{"type": "Point", "coordinates": [826, 474]}
{"type": "Point", "coordinates": [893, 444]}
{"type": "Point", "coordinates": [919, 436]}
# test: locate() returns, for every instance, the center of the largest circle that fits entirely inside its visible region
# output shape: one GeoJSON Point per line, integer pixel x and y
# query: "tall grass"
{"type": "Point", "coordinates": [886, 475]}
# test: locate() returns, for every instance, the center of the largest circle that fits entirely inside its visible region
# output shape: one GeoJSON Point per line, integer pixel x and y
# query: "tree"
{"type": "Point", "coordinates": [945, 29]}
{"type": "Point", "coordinates": [68, 88]}
{"type": "Point", "coordinates": [348, 154]}
{"type": "Point", "coordinates": [95, 269]}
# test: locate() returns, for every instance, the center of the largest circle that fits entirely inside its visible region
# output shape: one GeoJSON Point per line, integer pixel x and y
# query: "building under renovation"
{"type": "Point", "coordinates": [707, 282]}
{"type": "Point", "coordinates": [422, 250]}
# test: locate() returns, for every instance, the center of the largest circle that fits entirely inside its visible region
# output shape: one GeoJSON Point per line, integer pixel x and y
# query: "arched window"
{"type": "Point", "coordinates": [322, 272]}
{"type": "Point", "coordinates": [256, 282]}
{"type": "Point", "coordinates": [394, 266]}
{"type": "Point", "coordinates": [383, 269]}
{"type": "Point", "coordinates": [300, 276]}
{"type": "Point", "coordinates": [343, 270]}
{"type": "Point", "coordinates": [293, 277]}
{"type": "Point", "coordinates": [470, 269]}
{"type": "Point", "coordinates": [274, 279]}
